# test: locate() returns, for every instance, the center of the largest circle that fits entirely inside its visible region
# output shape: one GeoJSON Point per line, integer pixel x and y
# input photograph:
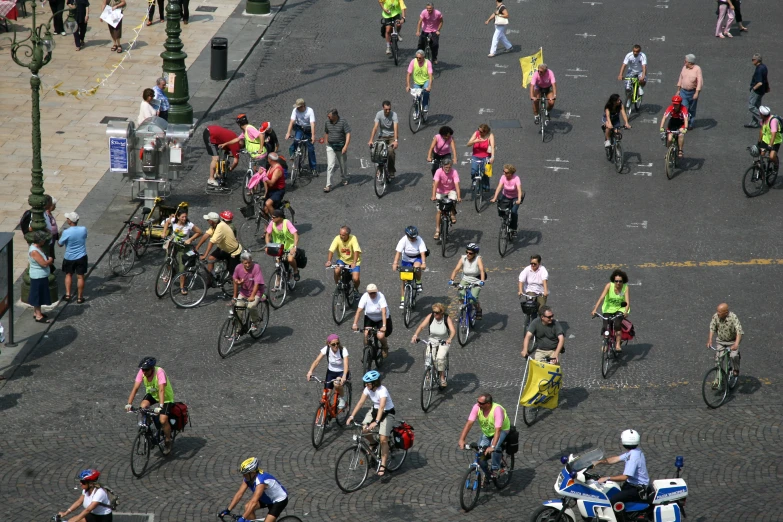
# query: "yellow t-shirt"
{"type": "Point", "coordinates": [345, 250]}
{"type": "Point", "coordinates": [223, 238]}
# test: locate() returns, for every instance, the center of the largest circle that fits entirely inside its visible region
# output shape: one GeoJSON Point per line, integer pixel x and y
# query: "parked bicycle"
{"type": "Point", "coordinates": [287, 518]}
{"type": "Point", "coordinates": [431, 381]}
{"type": "Point", "coordinates": [614, 152]}
{"type": "Point", "coordinates": [252, 233]}
{"type": "Point", "coordinates": [253, 164]}
{"type": "Point", "coordinates": [394, 38]}
{"type": "Point", "coordinates": [417, 117]}
{"type": "Point", "coordinates": [282, 280]}
{"type": "Point", "coordinates": [371, 354]}
{"type": "Point", "coordinates": [467, 311]}
{"type": "Point", "coordinates": [353, 464]}
{"type": "Point", "coordinates": [475, 477]}
{"type": "Point", "coordinates": [222, 176]}
{"type": "Point", "coordinates": [190, 286]}
{"type": "Point", "coordinates": [409, 292]}
{"type": "Point", "coordinates": [609, 354]}
{"type": "Point", "coordinates": [122, 255]}
{"type": "Point", "coordinates": [344, 294]}
{"type": "Point", "coordinates": [329, 409]}
{"type": "Point", "coordinates": [380, 156]}
{"type": "Point", "coordinates": [445, 206]}
{"type": "Point", "coordinates": [720, 379]}
{"type": "Point", "coordinates": [672, 153]}
{"type": "Point", "coordinates": [150, 434]}
{"type": "Point", "coordinates": [760, 175]}
{"type": "Point", "coordinates": [633, 98]}
{"type": "Point", "coordinates": [238, 324]}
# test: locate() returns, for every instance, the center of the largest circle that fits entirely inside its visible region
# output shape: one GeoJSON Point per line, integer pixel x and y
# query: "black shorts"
{"type": "Point", "coordinates": [275, 509]}
{"type": "Point", "coordinates": [775, 147]}
{"type": "Point", "coordinates": [75, 266]}
{"type": "Point", "coordinates": [378, 324]}
{"type": "Point", "coordinates": [675, 124]}
{"type": "Point", "coordinates": [165, 408]}
{"type": "Point", "coordinates": [276, 195]}
{"type": "Point", "coordinates": [543, 90]}
{"type": "Point", "coordinates": [98, 518]}
{"type": "Point", "coordinates": [212, 148]}
{"type": "Point", "coordinates": [330, 376]}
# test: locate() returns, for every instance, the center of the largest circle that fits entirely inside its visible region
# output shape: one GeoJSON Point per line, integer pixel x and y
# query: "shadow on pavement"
{"type": "Point", "coordinates": [520, 480]}
{"type": "Point", "coordinates": [275, 334]}
{"type": "Point", "coordinates": [402, 181]}
{"type": "Point", "coordinates": [186, 447]}
{"type": "Point", "coordinates": [457, 385]}
{"type": "Point", "coordinates": [399, 360]}
{"type": "Point", "coordinates": [747, 385]}
{"type": "Point", "coordinates": [572, 397]}
{"type": "Point", "coordinates": [492, 319]}
{"type": "Point", "coordinates": [636, 352]}
{"type": "Point", "coordinates": [705, 124]}
{"type": "Point", "coordinates": [9, 401]}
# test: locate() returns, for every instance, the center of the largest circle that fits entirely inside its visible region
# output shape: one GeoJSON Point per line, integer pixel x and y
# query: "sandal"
{"type": "Point", "coordinates": [728, 35]}
{"type": "Point", "coordinates": [382, 470]}
{"type": "Point", "coordinates": [436, 236]}
{"type": "Point", "coordinates": [344, 183]}
{"type": "Point", "coordinates": [67, 298]}
{"type": "Point", "coordinates": [42, 319]}
{"type": "Point", "coordinates": [80, 300]}
{"type": "Point", "coordinates": [297, 276]}
{"type": "Point", "coordinates": [680, 153]}
{"type": "Point", "coordinates": [119, 49]}
{"type": "Point", "coordinates": [184, 292]}
{"type": "Point", "coordinates": [327, 189]}
{"type": "Point", "coordinates": [114, 47]}
{"type": "Point", "coordinates": [149, 22]}
{"type": "Point", "coordinates": [453, 220]}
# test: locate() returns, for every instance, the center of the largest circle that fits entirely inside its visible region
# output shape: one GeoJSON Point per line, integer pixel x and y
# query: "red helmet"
{"type": "Point", "coordinates": [227, 215]}
{"type": "Point", "coordinates": [676, 99]}
{"type": "Point", "coordinates": [89, 475]}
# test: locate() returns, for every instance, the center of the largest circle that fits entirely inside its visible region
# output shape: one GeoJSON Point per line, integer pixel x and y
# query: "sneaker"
{"type": "Point", "coordinates": [607, 144]}
{"type": "Point", "coordinates": [253, 327]}
{"type": "Point", "coordinates": [341, 404]}
{"type": "Point", "coordinates": [641, 91]}
{"type": "Point", "coordinates": [167, 447]}
{"type": "Point", "coordinates": [418, 286]}
{"type": "Point", "coordinates": [426, 108]}
{"type": "Point", "coordinates": [213, 183]}
{"type": "Point", "coordinates": [537, 120]}
{"type": "Point", "coordinates": [399, 38]}
{"type": "Point", "coordinates": [388, 49]}
{"type": "Point", "coordinates": [402, 304]}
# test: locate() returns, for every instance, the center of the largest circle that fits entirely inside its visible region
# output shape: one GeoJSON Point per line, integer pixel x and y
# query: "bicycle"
{"type": "Point", "coordinates": [193, 285]}
{"type": "Point", "coordinates": [221, 176]}
{"type": "Point", "coordinates": [530, 413]}
{"type": "Point", "coordinates": [164, 277]}
{"type": "Point", "coordinates": [253, 164]}
{"type": "Point", "coordinates": [283, 276]}
{"type": "Point", "coordinates": [409, 293]}
{"type": "Point", "coordinates": [759, 176]}
{"type": "Point", "coordinates": [353, 464]}
{"type": "Point", "coordinates": [122, 255]}
{"type": "Point", "coordinates": [329, 409]}
{"type": "Point", "coordinates": [475, 477]}
{"type": "Point", "coordinates": [431, 380]}
{"type": "Point", "coordinates": [372, 350]}
{"type": "Point", "coordinates": [394, 39]}
{"type": "Point", "coordinates": [445, 206]}
{"type": "Point", "coordinates": [672, 152]}
{"type": "Point", "coordinates": [344, 294]}
{"type": "Point", "coordinates": [633, 98]}
{"type": "Point", "coordinates": [417, 116]}
{"type": "Point", "coordinates": [287, 518]}
{"type": "Point", "coordinates": [150, 434]}
{"type": "Point", "coordinates": [467, 311]}
{"type": "Point", "coordinates": [614, 152]}
{"type": "Point", "coordinates": [238, 324]}
{"type": "Point", "coordinates": [428, 49]}
{"type": "Point", "coordinates": [252, 233]}
{"type": "Point", "coordinates": [529, 304]}
{"type": "Point", "coordinates": [380, 156]}
{"type": "Point", "coordinates": [476, 189]}
{"type": "Point", "coordinates": [720, 379]}
{"type": "Point", "coordinates": [609, 354]}
{"type": "Point", "coordinates": [543, 115]}
{"type": "Point", "coordinates": [505, 234]}
{"type": "Point", "coordinates": [300, 161]}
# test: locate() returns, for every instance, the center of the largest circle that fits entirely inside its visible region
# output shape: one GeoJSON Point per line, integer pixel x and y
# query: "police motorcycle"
{"type": "Point", "coordinates": [580, 489]}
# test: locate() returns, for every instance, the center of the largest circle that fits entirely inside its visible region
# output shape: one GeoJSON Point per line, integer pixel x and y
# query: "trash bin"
{"type": "Point", "coordinates": [218, 69]}
{"type": "Point", "coordinates": [258, 7]}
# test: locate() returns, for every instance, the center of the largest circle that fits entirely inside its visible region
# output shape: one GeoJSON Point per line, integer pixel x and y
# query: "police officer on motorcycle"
{"type": "Point", "coordinates": [635, 473]}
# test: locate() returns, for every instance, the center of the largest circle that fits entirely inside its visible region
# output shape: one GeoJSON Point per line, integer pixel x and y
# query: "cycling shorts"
{"type": "Point", "coordinates": [164, 409]}
{"type": "Point", "coordinates": [675, 124]}
{"type": "Point", "coordinates": [775, 147]}
{"type": "Point", "coordinates": [276, 508]}
{"type": "Point", "coordinates": [276, 195]}
{"type": "Point", "coordinates": [410, 263]}
{"type": "Point", "coordinates": [330, 376]}
{"type": "Point", "coordinates": [369, 323]}
{"type": "Point", "coordinates": [542, 90]}
{"type": "Point", "coordinates": [354, 270]}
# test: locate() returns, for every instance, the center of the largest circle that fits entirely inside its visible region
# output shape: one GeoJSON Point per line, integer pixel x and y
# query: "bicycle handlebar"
{"type": "Point", "coordinates": [610, 317]}
{"type": "Point", "coordinates": [467, 285]}
{"type": "Point", "coordinates": [148, 411]}
{"type": "Point", "coordinates": [314, 378]}
{"type": "Point", "coordinates": [428, 341]}
{"type": "Point", "coordinates": [344, 267]}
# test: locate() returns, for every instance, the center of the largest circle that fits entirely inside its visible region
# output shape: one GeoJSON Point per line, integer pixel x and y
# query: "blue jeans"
{"type": "Point", "coordinates": [690, 104]}
{"type": "Point", "coordinates": [425, 95]}
{"type": "Point", "coordinates": [497, 454]}
{"type": "Point", "coordinates": [300, 134]}
{"type": "Point", "coordinates": [474, 170]}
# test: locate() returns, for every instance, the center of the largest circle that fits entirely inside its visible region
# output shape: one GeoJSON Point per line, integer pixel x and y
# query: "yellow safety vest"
{"type": "Point", "coordinates": [253, 147]}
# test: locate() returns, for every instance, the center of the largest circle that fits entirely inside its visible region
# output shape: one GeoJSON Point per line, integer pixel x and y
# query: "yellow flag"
{"type": "Point", "coordinates": [529, 65]}
{"type": "Point", "coordinates": [542, 387]}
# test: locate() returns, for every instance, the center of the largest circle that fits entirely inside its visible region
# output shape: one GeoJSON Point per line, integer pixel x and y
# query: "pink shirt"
{"type": "Point", "coordinates": [252, 133]}
{"type": "Point", "coordinates": [249, 279]}
{"type": "Point", "coordinates": [430, 22]}
{"type": "Point", "coordinates": [510, 186]}
{"type": "Point", "coordinates": [499, 416]}
{"type": "Point", "coordinates": [446, 182]}
{"type": "Point", "coordinates": [543, 81]}
{"type": "Point", "coordinates": [161, 376]}
{"type": "Point", "coordinates": [429, 66]}
{"type": "Point", "coordinates": [773, 125]}
{"type": "Point", "coordinates": [442, 146]}
{"type": "Point", "coordinates": [291, 228]}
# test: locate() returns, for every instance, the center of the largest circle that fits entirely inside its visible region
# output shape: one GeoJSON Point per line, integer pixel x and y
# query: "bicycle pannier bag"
{"type": "Point", "coordinates": [274, 249]}
{"type": "Point", "coordinates": [190, 258]}
{"type": "Point", "coordinates": [512, 441]}
{"type": "Point", "coordinates": [300, 257]}
{"type": "Point", "coordinates": [530, 307]}
{"type": "Point", "coordinates": [628, 331]}
{"type": "Point", "coordinates": [180, 412]}
{"type": "Point", "coordinates": [403, 436]}
{"type": "Point", "coordinates": [379, 152]}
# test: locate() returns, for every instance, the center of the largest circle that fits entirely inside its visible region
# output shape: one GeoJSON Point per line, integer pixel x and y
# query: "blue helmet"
{"type": "Point", "coordinates": [412, 231]}
{"type": "Point", "coordinates": [89, 475]}
{"type": "Point", "coordinates": [148, 363]}
{"type": "Point", "coordinates": [371, 376]}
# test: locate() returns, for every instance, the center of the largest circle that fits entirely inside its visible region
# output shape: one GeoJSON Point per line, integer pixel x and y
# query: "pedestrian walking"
{"type": "Point", "coordinates": [82, 8]}
{"type": "Point", "coordinates": [115, 32]}
{"type": "Point", "coordinates": [689, 87]}
{"type": "Point", "coordinates": [151, 11]}
{"type": "Point", "coordinates": [738, 14]}
{"type": "Point", "coordinates": [162, 99]}
{"type": "Point", "coordinates": [759, 86]}
{"type": "Point", "coordinates": [725, 18]}
{"type": "Point", "coordinates": [500, 16]}
{"type": "Point", "coordinates": [39, 276]}
{"type": "Point", "coordinates": [337, 134]}
{"type": "Point", "coordinates": [51, 226]}
{"type": "Point", "coordinates": [74, 239]}
{"type": "Point", "coordinates": [146, 110]}
{"type": "Point", "coordinates": [184, 11]}
{"type": "Point", "coordinates": [57, 7]}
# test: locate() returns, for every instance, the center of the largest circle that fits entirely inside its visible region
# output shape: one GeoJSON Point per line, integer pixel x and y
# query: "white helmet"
{"type": "Point", "coordinates": [630, 438]}
{"type": "Point", "coordinates": [764, 110]}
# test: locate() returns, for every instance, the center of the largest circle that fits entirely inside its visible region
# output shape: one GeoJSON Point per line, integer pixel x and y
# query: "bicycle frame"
{"type": "Point", "coordinates": [372, 348]}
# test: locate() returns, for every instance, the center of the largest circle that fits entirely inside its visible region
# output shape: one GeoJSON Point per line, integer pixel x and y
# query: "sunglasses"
{"type": "Point", "coordinates": [437, 313]}
{"type": "Point", "coordinates": [470, 253]}
{"type": "Point", "coordinates": [618, 280]}
{"type": "Point", "coordinates": [548, 316]}
{"type": "Point", "coordinates": [482, 403]}
{"type": "Point", "coordinates": [334, 344]}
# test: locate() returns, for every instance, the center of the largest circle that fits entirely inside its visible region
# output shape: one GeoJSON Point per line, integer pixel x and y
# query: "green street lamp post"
{"type": "Point", "coordinates": [37, 50]}
{"type": "Point", "coordinates": [174, 66]}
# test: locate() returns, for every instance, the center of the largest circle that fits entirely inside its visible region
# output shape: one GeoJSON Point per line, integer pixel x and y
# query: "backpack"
{"type": "Point", "coordinates": [379, 152]}
{"type": "Point", "coordinates": [114, 499]}
{"type": "Point", "coordinates": [24, 223]}
{"type": "Point", "coordinates": [403, 435]}
{"type": "Point", "coordinates": [628, 331]}
{"type": "Point", "coordinates": [445, 320]}
{"type": "Point", "coordinates": [180, 413]}
{"type": "Point", "coordinates": [512, 441]}
{"type": "Point", "coordinates": [301, 258]}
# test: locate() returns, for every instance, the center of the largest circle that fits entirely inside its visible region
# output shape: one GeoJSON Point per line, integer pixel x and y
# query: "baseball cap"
{"type": "Point", "coordinates": [300, 102]}
{"type": "Point", "coordinates": [371, 288]}
{"type": "Point", "coordinates": [264, 127]}
{"type": "Point", "coordinates": [73, 216]}
{"type": "Point", "coordinates": [212, 216]}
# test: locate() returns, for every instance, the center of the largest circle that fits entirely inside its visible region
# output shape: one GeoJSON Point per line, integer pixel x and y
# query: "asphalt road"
{"type": "Point", "coordinates": [687, 244]}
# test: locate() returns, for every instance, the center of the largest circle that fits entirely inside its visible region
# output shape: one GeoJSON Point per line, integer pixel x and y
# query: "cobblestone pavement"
{"type": "Point", "coordinates": [688, 244]}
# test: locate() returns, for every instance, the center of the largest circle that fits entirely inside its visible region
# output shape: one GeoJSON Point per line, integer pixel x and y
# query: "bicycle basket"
{"type": "Point", "coordinates": [445, 205]}
{"type": "Point", "coordinates": [530, 307]}
{"type": "Point", "coordinates": [248, 211]}
{"type": "Point", "coordinates": [379, 152]}
{"type": "Point", "coordinates": [274, 249]}
{"type": "Point", "coordinates": [415, 92]}
{"type": "Point", "coordinates": [406, 273]}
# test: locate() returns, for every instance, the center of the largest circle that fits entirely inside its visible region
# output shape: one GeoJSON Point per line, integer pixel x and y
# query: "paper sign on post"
{"type": "Point", "coordinates": [111, 16]}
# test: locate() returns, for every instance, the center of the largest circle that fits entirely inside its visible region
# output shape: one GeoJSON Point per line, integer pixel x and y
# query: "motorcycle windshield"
{"type": "Point", "coordinates": [587, 459]}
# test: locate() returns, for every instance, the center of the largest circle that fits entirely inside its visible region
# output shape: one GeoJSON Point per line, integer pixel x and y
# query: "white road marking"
{"type": "Point", "coordinates": [584, 35]}
{"type": "Point", "coordinates": [557, 168]}
{"type": "Point", "coordinates": [646, 120]}
{"type": "Point", "coordinates": [558, 160]}
{"type": "Point", "coordinates": [577, 75]}
{"type": "Point", "coordinates": [546, 219]}
{"type": "Point", "coordinates": [501, 66]}
{"type": "Point", "coordinates": [365, 164]}
{"type": "Point", "coordinates": [658, 39]}
{"type": "Point", "coordinates": [643, 225]}
{"type": "Point", "coordinates": [484, 111]}
{"type": "Point", "coordinates": [568, 115]}
{"type": "Point", "coordinates": [642, 173]}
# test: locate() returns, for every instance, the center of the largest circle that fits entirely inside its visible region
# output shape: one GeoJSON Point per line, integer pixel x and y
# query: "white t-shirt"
{"type": "Point", "coordinates": [533, 282]}
{"type": "Point", "coordinates": [376, 395]}
{"type": "Point", "coordinates": [372, 307]}
{"type": "Point", "coordinates": [634, 63]}
{"type": "Point", "coordinates": [303, 119]}
{"type": "Point", "coordinates": [410, 251]}
{"type": "Point", "coordinates": [336, 363]}
{"type": "Point", "coordinates": [98, 495]}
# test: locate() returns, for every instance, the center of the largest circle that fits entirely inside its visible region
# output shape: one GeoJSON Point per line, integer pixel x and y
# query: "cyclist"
{"type": "Point", "coordinates": [445, 184]}
{"type": "Point", "coordinates": [392, 12]}
{"type": "Point", "coordinates": [677, 116]}
{"type": "Point", "coordinates": [249, 285]}
{"type": "Point", "coordinates": [220, 235]}
{"type": "Point", "coordinates": [267, 492]}
{"type": "Point", "coordinates": [483, 142]}
{"type": "Point", "coordinates": [228, 218]}
{"type": "Point", "coordinates": [472, 266]}
{"type": "Point", "coordinates": [726, 327]}
{"type": "Point", "coordinates": [534, 280]}
{"type": "Point", "coordinates": [635, 474]}
{"type": "Point", "coordinates": [280, 230]}
{"type": "Point", "coordinates": [549, 337]}
{"type": "Point", "coordinates": [442, 147]}
{"type": "Point", "coordinates": [770, 134]}
{"type": "Point", "coordinates": [421, 70]}
{"type": "Point", "coordinates": [182, 229]}
{"type": "Point", "coordinates": [274, 184]}
{"type": "Point", "coordinates": [613, 109]}
{"type": "Point", "coordinates": [214, 136]}
{"type": "Point", "coordinates": [376, 315]}
{"type": "Point", "coordinates": [94, 500]}
{"type": "Point", "coordinates": [509, 190]}
{"type": "Point", "coordinates": [615, 298]}
{"type": "Point", "coordinates": [254, 141]}
{"type": "Point", "coordinates": [386, 123]}
{"type": "Point", "coordinates": [336, 368]}
{"type": "Point", "coordinates": [494, 424]}
{"type": "Point", "coordinates": [543, 84]}
{"type": "Point", "coordinates": [271, 144]}
{"type": "Point", "coordinates": [378, 416]}
{"type": "Point", "coordinates": [636, 64]}
{"type": "Point", "coordinates": [430, 23]}
{"type": "Point", "coordinates": [413, 251]}
{"type": "Point", "coordinates": [303, 126]}
{"type": "Point", "coordinates": [441, 329]}
{"type": "Point", "coordinates": [156, 385]}
{"type": "Point", "coordinates": [349, 253]}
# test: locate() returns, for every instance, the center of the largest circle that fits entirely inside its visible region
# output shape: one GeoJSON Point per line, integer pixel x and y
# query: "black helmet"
{"type": "Point", "coordinates": [148, 363]}
{"type": "Point", "coordinates": [242, 119]}
{"type": "Point", "coordinates": [473, 247]}
{"type": "Point", "coordinates": [412, 231]}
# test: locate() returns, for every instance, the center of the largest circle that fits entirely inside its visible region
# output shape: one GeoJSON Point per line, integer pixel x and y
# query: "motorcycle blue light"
{"type": "Point", "coordinates": [678, 461]}
{"type": "Point", "coordinates": [572, 474]}
{"type": "Point", "coordinates": [564, 460]}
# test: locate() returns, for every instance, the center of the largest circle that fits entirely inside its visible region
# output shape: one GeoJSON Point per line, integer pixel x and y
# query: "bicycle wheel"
{"type": "Point", "coordinates": [503, 477]}
{"type": "Point", "coordinates": [396, 457]}
{"type": "Point", "coordinates": [289, 518]}
{"type": "Point", "coordinates": [140, 454]}
{"type": "Point", "coordinates": [753, 181]}
{"type": "Point", "coordinates": [414, 116]}
{"type": "Point", "coordinates": [444, 233]}
{"type": "Point", "coordinates": [772, 175]}
{"type": "Point", "coordinates": [380, 181]}
{"type": "Point", "coordinates": [342, 415]}
{"type": "Point", "coordinates": [628, 102]}
{"type": "Point", "coordinates": [319, 425]}
{"type": "Point", "coordinates": [618, 157]}
{"type": "Point", "coordinates": [377, 354]}
{"type": "Point", "coordinates": [503, 238]}
{"type": "Point", "coordinates": [122, 257]}
{"type": "Point", "coordinates": [296, 167]}
{"type": "Point", "coordinates": [478, 196]}
{"type": "Point", "coordinates": [395, 51]}
{"type": "Point", "coordinates": [427, 385]}
{"type": "Point", "coordinates": [605, 360]}
{"type": "Point", "coordinates": [470, 489]}
{"type": "Point", "coordinates": [278, 289]}
{"type": "Point", "coordinates": [713, 388]}
{"type": "Point", "coordinates": [428, 52]}
{"type": "Point", "coordinates": [463, 328]}
{"type": "Point", "coordinates": [163, 279]}
{"type": "Point", "coordinates": [671, 159]}
{"type": "Point", "coordinates": [352, 468]}
{"type": "Point", "coordinates": [143, 238]}
{"type": "Point", "coordinates": [408, 311]}
{"type": "Point", "coordinates": [367, 358]}
{"type": "Point", "coordinates": [338, 305]}
{"type": "Point", "coordinates": [609, 154]}
{"type": "Point", "coordinates": [542, 114]}
{"type": "Point", "coordinates": [247, 194]}
{"type": "Point", "coordinates": [194, 285]}
{"type": "Point", "coordinates": [638, 102]}
{"type": "Point", "coordinates": [263, 320]}
{"type": "Point", "coordinates": [529, 415]}
{"type": "Point", "coordinates": [229, 333]}
{"type": "Point", "coordinates": [288, 212]}
{"type": "Point", "coordinates": [550, 514]}
{"type": "Point", "coordinates": [251, 234]}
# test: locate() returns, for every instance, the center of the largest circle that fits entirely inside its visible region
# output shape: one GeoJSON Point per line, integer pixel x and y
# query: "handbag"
{"type": "Point", "coordinates": [499, 20]}
{"type": "Point", "coordinates": [488, 170]}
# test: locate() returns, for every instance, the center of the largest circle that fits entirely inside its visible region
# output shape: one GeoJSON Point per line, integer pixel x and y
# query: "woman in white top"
{"type": "Point", "coordinates": [533, 281]}
{"type": "Point", "coordinates": [472, 266]}
{"type": "Point", "coordinates": [336, 368]}
{"type": "Point", "coordinates": [376, 315]}
{"type": "Point", "coordinates": [377, 417]}
{"type": "Point", "coordinates": [93, 499]}
{"type": "Point", "coordinates": [182, 229]}
{"type": "Point", "coordinates": [146, 110]}
{"type": "Point", "coordinates": [413, 251]}
{"type": "Point", "coordinates": [441, 329]}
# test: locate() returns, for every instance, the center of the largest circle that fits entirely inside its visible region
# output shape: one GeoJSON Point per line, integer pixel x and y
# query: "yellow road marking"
{"type": "Point", "coordinates": [687, 264]}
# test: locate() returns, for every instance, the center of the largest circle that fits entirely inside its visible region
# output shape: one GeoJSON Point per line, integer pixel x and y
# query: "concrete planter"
{"type": "Point", "coordinates": [258, 7]}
